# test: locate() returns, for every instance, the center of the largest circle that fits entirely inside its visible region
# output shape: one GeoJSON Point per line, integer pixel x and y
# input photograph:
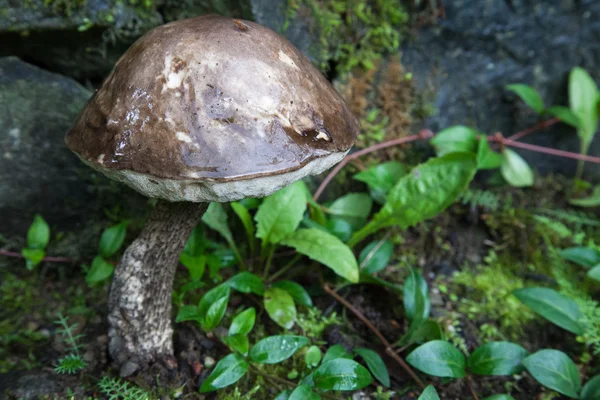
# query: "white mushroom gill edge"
{"type": "Point", "coordinates": [205, 190]}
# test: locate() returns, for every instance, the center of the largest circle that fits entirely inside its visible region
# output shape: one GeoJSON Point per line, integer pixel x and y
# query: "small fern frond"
{"type": "Point", "coordinates": [71, 364]}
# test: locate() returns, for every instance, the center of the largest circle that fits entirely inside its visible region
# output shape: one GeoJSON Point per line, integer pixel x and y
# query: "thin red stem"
{"type": "Point", "coordinates": [64, 260]}
{"type": "Point", "coordinates": [545, 150]}
{"type": "Point", "coordinates": [536, 127]}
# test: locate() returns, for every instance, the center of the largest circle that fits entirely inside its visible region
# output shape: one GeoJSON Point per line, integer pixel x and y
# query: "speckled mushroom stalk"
{"type": "Point", "coordinates": [200, 110]}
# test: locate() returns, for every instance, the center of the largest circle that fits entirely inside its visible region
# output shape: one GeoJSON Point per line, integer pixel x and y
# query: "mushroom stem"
{"type": "Point", "coordinates": [139, 315]}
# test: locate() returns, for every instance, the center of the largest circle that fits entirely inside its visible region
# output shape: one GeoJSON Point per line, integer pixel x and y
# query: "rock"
{"type": "Point", "coordinates": [38, 174]}
{"type": "Point", "coordinates": [29, 385]}
{"type": "Point", "coordinates": [469, 57]}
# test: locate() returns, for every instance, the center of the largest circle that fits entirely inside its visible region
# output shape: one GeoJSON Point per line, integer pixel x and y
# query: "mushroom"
{"type": "Point", "coordinates": [200, 110]}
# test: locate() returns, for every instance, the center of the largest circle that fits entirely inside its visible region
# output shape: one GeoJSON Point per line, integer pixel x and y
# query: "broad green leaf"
{"type": "Point", "coordinates": [375, 364]}
{"type": "Point", "coordinates": [326, 249]}
{"type": "Point", "coordinates": [340, 228]}
{"type": "Point", "coordinates": [275, 349]}
{"type": "Point", "coordinates": [555, 370]}
{"type": "Point", "coordinates": [112, 239]}
{"type": "Point", "coordinates": [243, 322]}
{"type": "Point", "coordinates": [515, 170]}
{"type": "Point", "coordinates": [246, 218]}
{"type": "Point", "coordinates": [228, 371]}
{"type": "Point", "coordinates": [594, 273]}
{"type": "Point", "coordinates": [280, 307]}
{"type": "Point", "coordinates": [438, 358]}
{"type": "Point", "coordinates": [215, 313]}
{"type": "Point", "coordinates": [237, 342]}
{"type": "Point", "coordinates": [583, 100]}
{"type": "Point", "coordinates": [584, 256]}
{"type": "Point", "coordinates": [211, 297]}
{"type": "Point", "coordinates": [529, 95]}
{"type": "Point", "coordinates": [565, 115]}
{"type": "Point", "coordinates": [216, 218]}
{"type": "Point", "coordinates": [422, 194]}
{"type": "Point", "coordinates": [556, 308]}
{"type": "Point", "coordinates": [99, 271]}
{"type": "Point", "coordinates": [336, 351]}
{"type": "Point", "coordinates": [313, 355]}
{"type": "Point", "coordinates": [33, 257]}
{"type": "Point", "coordinates": [280, 213]}
{"type": "Point", "coordinates": [375, 256]}
{"type": "Point", "coordinates": [497, 358]}
{"type": "Point", "coordinates": [429, 394]}
{"type": "Point", "coordinates": [455, 139]}
{"type": "Point", "coordinates": [499, 397]}
{"type": "Point", "coordinates": [486, 157]}
{"type": "Point", "coordinates": [194, 264]}
{"type": "Point", "coordinates": [38, 234]}
{"type": "Point", "coordinates": [196, 243]}
{"type": "Point", "coordinates": [188, 313]}
{"type": "Point", "coordinates": [381, 178]}
{"type": "Point", "coordinates": [341, 374]}
{"type": "Point", "coordinates": [298, 293]}
{"type": "Point", "coordinates": [303, 392]}
{"type": "Point", "coordinates": [423, 331]}
{"type": "Point", "coordinates": [591, 390]}
{"type": "Point", "coordinates": [354, 208]}
{"type": "Point", "coordinates": [592, 200]}
{"type": "Point", "coordinates": [415, 292]}
{"type": "Point", "coordinates": [285, 395]}
{"type": "Point", "coordinates": [246, 282]}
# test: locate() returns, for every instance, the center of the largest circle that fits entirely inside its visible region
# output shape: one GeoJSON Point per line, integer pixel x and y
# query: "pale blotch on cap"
{"type": "Point", "coordinates": [213, 109]}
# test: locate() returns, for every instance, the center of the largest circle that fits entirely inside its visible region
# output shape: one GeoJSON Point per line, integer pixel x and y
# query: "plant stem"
{"type": "Point", "coordinates": [583, 149]}
{"type": "Point", "coordinates": [285, 268]}
{"type": "Point", "coordinates": [285, 381]}
{"type": "Point", "coordinates": [471, 389]}
{"type": "Point", "coordinates": [388, 347]}
{"type": "Point", "coordinates": [268, 262]}
{"type": "Point", "coordinates": [63, 260]}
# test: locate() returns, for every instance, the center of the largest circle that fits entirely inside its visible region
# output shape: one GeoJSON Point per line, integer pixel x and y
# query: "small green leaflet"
{"type": "Point", "coordinates": [381, 178]}
{"type": "Point", "coordinates": [215, 313]}
{"type": "Point", "coordinates": [497, 358]}
{"type": "Point", "coordinates": [275, 349]}
{"type": "Point", "coordinates": [375, 256]}
{"type": "Point", "coordinates": [216, 218]}
{"type": "Point", "coordinates": [429, 394]}
{"type": "Point", "coordinates": [313, 355]}
{"type": "Point", "coordinates": [341, 374]}
{"type": "Point", "coordinates": [303, 392]}
{"type": "Point", "coordinates": [112, 239]}
{"type": "Point", "coordinates": [593, 200]}
{"type": "Point", "coordinates": [280, 307]}
{"type": "Point", "coordinates": [594, 273]}
{"type": "Point", "coordinates": [33, 257]}
{"type": "Point", "coordinates": [246, 282]}
{"type": "Point", "coordinates": [228, 371]}
{"type": "Point", "coordinates": [38, 234]}
{"type": "Point", "coordinates": [243, 322]}
{"type": "Point", "coordinates": [438, 358]}
{"type": "Point", "coordinates": [211, 297]}
{"type": "Point", "coordinates": [515, 170]}
{"type": "Point", "coordinates": [583, 101]}
{"type": "Point", "coordinates": [529, 95]}
{"type": "Point", "coordinates": [555, 370]}
{"type": "Point", "coordinates": [486, 157]}
{"type": "Point", "coordinates": [353, 207]}
{"type": "Point", "coordinates": [375, 364]}
{"type": "Point", "coordinates": [246, 218]}
{"type": "Point", "coordinates": [237, 342]}
{"type": "Point", "coordinates": [336, 351]}
{"type": "Point", "coordinates": [298, 293]}
{"type": "Point", "coordinates": [584, 256]}
{"type": "Point", "coordinates": [100, 270]}
{"type": "Point", "coordinates": [455, 139]}
{"type": "Point", "coordinates": [414, 287]}
{"type": "Point", "coordinates": [591, 390]}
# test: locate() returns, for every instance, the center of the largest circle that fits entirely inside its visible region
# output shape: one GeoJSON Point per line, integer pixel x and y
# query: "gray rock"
{"type": "Point", "coordinates": [29, 385]}
{"type": "Point", "coordinates": [467, 59]}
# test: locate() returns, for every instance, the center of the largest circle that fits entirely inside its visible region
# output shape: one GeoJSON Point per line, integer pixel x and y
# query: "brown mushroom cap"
{"type": "Point", "coordinates": [213, 109]}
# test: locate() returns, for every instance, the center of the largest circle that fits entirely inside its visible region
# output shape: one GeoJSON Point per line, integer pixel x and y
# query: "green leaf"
{"type": "Point", "coordinates": [194, 264]}
{"type": "Point", "coordinates": [33, 257]}
{"type": "Point", "coordinates": [584, 256]}
{"type": "Point", "coordinates": [381, 178]}
{"type": "Point", "coordinates": [486, 157]}
{"type": "Point", "coordinates": [216, 218]}
{"type": "Point", "coordinates": [594, 273]}
{"type": "Point", "coordinates": [415, 292]}
{"type": "Point", "coordinates": [336, 351]}
{"type": "Point", "coordinates": [195, 245]}
{"type": "Point", "coordinates": [228, 371]}
{"type": "Point", "coordinates": [285, 395]}
{"type": "Point", "coordinates": [565, 115]}
{"type": "Point", "coordinates": [499, 397]}
{"type": "Point", "coordinates": [340, 228]}
{"type": "Point", "coordinates": [583, 99]}
{"type": "Point", "coordinates": [298, 293]}
{"type": "Point", "coordinates": [246, 282]}
{"type": "Point", "coordinates": [438, 358]}
{"type": "Point", "coordinates": [215, 313]}
{"type": "Point", "coordinates": [280, 307]}
{"type": "Point", "coordinates": [375, 256]}
{"type": "Point", "coordinates": [326, 249]}
{"type": "Point", "coordinates": [280, 213]}
{"type": "Point", "coordinates": [99, 271]}
{"type": "Point", "coordinates": [497, 358]}
{"type": "Point", "coordinates": [38, 234]}
{"type": "Point", "coordinates": [188, 313]}
{"type": "Point", "coordinates": [243, 322]}
{"type": "Point", "coordinates": [303, 392]}
{"type": "Point", "coordinates": [275, 349]}
{"type": "Point", "coordinates": [529, 95]}
{"type": "Point", "coordinates": [341, 374]}
{"type": "Point", "coordinates": [591, 390]}
{"type": "Point", "coordinates": [354, 208]}
{"type": "Point", "coordinates": [246, 218]}
{"type": "Point", "coordinates": [237, 342]}
{"type": "Point", "coordinates": [555, 370]}
{"type": "Point", "coordinates": [423, 331]}
{"type": "Point", "coordinates": [428, 190]}
{"type": "Point", "coordinates": [211, 297]}
{"type": "Point", "coordinates": [429, 394]}
{"type": "Point", "coordinates": [515, 169]}
{"type": "Point", "coordinates": [556, 308]}
{"type": "Point", "coordinates": [455, 139]}
{"type": "Point", "coordinates": [313, 355]}
{"type": "Point", "coordinates": [592, 200]}
{"type": "Point", "coordinates": [112, 239]}
{"type": "Point", "coordinates": [375, 364]}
